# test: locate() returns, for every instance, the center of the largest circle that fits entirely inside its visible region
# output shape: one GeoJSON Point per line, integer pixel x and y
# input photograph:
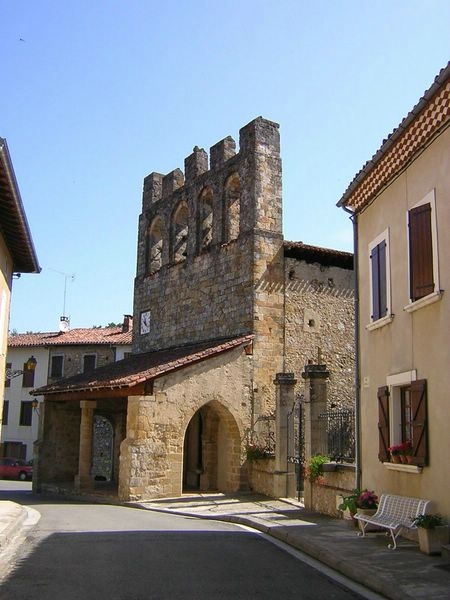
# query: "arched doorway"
{"type": "Point", "coordinates": [212, 451]}
{"type": "Point", "coordinates": [102, 449]}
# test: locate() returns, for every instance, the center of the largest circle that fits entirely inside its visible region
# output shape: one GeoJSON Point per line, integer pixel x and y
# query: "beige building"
{"type": "Point", "coordinates": [225, 311]}
{"type": "Point", "coordinates": [17, 253]}
{"type": "Point", "coordinates": [401, 211]}
{"type": "Point", "coordinates": [57, 354]}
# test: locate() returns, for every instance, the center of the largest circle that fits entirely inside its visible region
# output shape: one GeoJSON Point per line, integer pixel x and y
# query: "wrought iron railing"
{"type": "Point", "coordinates": [338, 434]}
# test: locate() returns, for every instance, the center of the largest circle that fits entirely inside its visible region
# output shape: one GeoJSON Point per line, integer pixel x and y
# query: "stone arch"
{"type": "Point", "coordinates": [212, 450]}
{"type": "Point", "coordinates": [205, 218]}
{"type": "Point", "coordinates": [232, 207]}
{"type": "Point", "coordinates": [154, 245]}
{"type": "Point", "coordinates": [179, 232]}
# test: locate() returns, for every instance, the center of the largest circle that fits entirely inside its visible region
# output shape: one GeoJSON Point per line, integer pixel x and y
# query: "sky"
{"type": "Point", "coordinates": [97, 94]}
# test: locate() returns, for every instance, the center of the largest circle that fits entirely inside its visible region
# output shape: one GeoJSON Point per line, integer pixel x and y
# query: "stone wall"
{"type": "Point", "coordinates": [152, 454]}
{"type": "Point", "coordinates": [325, 495]}
{"type": "Point", "coordinates": [74, 356]}
{"type": "Point", "coordinates": [320, 324]}
{"type": "Point", "coordinates": [210, 252]}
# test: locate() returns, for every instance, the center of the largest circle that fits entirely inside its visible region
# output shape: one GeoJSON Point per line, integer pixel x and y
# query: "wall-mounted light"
{"type": "Point", "coordinates": [30, 365]}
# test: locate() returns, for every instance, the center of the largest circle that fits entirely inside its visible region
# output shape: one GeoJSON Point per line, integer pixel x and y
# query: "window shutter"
{"type": "Point", "coordinates": [420, 252]}
{"type": "Point", "coordinates": [27, 377]}
{"type": "Point", "coordinates": [382, 278]}
{"type": "Point", "coordinates": [419, 422]}
{"type": "Point", "coordinates": [379, 297]}
{"type": "Point", "coordinates": [375, 283]}
{"type": "Point", "coordinates": [383, 424]}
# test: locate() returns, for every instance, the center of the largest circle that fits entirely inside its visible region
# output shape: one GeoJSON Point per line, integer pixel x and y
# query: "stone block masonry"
{"type": "Point", "coordinates": [210, 252]}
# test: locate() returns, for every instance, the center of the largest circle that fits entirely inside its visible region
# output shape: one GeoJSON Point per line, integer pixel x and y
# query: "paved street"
{"type": "Point", "coordinates": [97, 551]}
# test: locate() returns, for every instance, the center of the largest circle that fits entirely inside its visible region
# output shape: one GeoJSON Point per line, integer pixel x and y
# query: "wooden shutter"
{"type": "Point", "coordinates": [420, 252]}
{"type": "Point", "coordinates": [419, 422]}
{"type": "Point", "coordinates": [8, 380]}
{"type": "Point", "coordinates": [383, 424]}
{"type": "Point", "coordinates": [27, 377]}
{"type": "Point", "coordinates": [378, 267]}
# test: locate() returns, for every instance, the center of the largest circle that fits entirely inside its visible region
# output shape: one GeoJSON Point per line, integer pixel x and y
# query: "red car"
{"type": "Point", "coordinates": [15, 468]}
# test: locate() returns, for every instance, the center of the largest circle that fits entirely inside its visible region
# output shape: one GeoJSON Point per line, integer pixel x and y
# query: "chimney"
{"type": "Point", "coordinates": [127, 323]}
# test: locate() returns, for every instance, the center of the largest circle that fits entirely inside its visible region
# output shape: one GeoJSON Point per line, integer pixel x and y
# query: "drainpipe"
{"type": "Point", "coordinates": [354, 220]}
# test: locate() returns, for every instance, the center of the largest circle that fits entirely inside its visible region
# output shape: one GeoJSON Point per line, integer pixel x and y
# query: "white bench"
{"type": "Point", "coordinates": [394, 513]}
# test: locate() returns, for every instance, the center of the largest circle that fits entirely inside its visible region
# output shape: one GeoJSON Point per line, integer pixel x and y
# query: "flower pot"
{"type": "Point", "coordinates": [403, 459]}
{"type": "Point", "coordinates": [431, 540]}
{"type": "Point", "coordinates": [368, 512]}
{"type": "Point", "coordinates": [395, 458]}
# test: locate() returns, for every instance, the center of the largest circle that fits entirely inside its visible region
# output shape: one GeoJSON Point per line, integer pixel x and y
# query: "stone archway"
{"type": "Point", "coordinates": [212, 451]}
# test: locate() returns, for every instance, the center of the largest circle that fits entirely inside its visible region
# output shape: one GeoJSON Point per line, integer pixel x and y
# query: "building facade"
{"type": "Point", "coordinates": [58, 355]}
{"type": "Point", "coordinates": [222, 304]}
{"type": "Point", "coordinates": [17, 253]}
{"type": "Point", "coordinates": [401, 210]}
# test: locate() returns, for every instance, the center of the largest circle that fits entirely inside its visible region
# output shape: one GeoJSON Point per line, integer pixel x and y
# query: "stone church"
{"type": "Point", "coordinates": [223, 306]}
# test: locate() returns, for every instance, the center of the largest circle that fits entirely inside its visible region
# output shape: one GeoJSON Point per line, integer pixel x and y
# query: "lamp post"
{"type": "Point", "coordinates": [30, 365]}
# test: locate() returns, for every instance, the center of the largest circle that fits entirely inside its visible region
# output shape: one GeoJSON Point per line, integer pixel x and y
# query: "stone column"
{"type": "Point", "coordinates": [284, 475]}
{"type": "Point", "coordinates": [315, 400]}
{"type": "Point", "coordinates": [83, 480]}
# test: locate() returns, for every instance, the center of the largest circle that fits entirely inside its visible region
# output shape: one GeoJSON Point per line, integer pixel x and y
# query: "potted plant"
{"type": "Point", "coordinates": [432, 532]}
{"type": "Point", "coordinates": [361, 501]}
{"type": "Point", "coordinates": [395, 452]}
{"type": "Point", "coordinates": [315, 468]}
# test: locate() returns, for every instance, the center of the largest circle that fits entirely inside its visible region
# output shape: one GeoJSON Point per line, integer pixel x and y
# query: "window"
{"type": "Point", "coordinates": [179, 233]}
{"type": "Point", "coordinates": [89, 361]}
{"type": "Point", "coordinates": [205, 216]}
{"type": "Point", "coordinates": [26, 413]}
{"type": "Point", "coordinates": [5, 412]}
{"type": "Point", "coordinates": [56, 367]}
{"type": "Point", "coordinates": [27, 377]}
{"type": "Point", "coordinates": [402, 416]}
{"type": "Point", "coordinates": [232, 207]}
{"type": "Point", "coordinates": [7, 380]}
{"type": "Point", "coordinates": [380, 280]}
{"type": "Point", "coordinates": [423, 256]}
{"type": "Point", "coordinates": [154, 246]}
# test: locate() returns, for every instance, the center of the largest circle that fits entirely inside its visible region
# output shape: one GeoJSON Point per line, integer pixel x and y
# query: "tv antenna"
{"type": "Point", "coordinates": [66, 276]}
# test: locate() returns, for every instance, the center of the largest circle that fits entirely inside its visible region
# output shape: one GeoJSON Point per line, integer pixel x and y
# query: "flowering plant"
{"type": "Point", "coordinates": [367, 499]}
{"type": "Point", "coordinates": [359, 499]}
{"type": "Point", "coordinates": [255, 452]}
{"type": "Point", "coordinates": [401, 449]}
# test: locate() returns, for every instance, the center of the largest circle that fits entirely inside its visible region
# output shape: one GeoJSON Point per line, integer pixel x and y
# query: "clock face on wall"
{"type": "Point", "coordinates": [145, 322]}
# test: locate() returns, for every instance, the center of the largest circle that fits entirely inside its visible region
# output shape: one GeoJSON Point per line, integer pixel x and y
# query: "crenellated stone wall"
{"type": "Point", "coordinates": [210, 252]}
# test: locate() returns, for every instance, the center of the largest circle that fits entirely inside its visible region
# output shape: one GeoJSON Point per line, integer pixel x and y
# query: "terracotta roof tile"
{"type": "Point", "coordinates": [143, 367]}
{"type": "Point", "coordinates": [428, 117]}
{"type": "Point", "coordinates": [96, 335]}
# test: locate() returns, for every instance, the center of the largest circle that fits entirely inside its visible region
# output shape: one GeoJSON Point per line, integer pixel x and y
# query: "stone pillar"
{"type": "Point", "coordinates": [284, 475]}
{"type": "Point", "coordinates": [83, 481]}
{"type": "Point", "coordinates": [315, 400]}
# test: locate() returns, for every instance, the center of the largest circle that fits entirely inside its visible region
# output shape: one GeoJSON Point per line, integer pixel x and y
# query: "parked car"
{"type": "Point", "coordinates": [15, 468]}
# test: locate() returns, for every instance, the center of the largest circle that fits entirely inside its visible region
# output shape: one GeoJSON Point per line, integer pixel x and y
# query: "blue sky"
{"type": "Point", "coordinates": [96, 94]}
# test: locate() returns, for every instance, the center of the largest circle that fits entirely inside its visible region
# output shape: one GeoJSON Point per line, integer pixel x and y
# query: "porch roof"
{"type": "Point", "coordinates": [138, 370]}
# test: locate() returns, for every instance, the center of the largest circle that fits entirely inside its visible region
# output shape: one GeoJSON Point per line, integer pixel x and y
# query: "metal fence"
{"type": "Point", "coordinates": [338, 434]}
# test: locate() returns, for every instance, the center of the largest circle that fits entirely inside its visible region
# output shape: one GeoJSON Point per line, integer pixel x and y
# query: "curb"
{"type": "Point", "coordinates": [12, 518]}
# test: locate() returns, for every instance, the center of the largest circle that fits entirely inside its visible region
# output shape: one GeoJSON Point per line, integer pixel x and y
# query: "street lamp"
{"type": "Point", "coordinates": [30, 365]}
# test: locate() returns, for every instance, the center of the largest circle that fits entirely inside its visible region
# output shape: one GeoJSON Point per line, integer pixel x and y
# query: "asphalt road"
{"type": "Point", "coordinates": [92, 551]}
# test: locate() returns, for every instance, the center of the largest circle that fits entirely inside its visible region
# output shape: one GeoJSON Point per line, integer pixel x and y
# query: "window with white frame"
{"type": "Point", "coordinates": [402, 417]}
{"type": "Point", "coordinates": [423, 252]}
{"type": "Point", "coordinates": [380, 280]}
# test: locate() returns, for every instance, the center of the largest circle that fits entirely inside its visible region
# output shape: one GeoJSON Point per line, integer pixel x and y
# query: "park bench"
{"type": "Point", "coordinates": [394, 513]}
